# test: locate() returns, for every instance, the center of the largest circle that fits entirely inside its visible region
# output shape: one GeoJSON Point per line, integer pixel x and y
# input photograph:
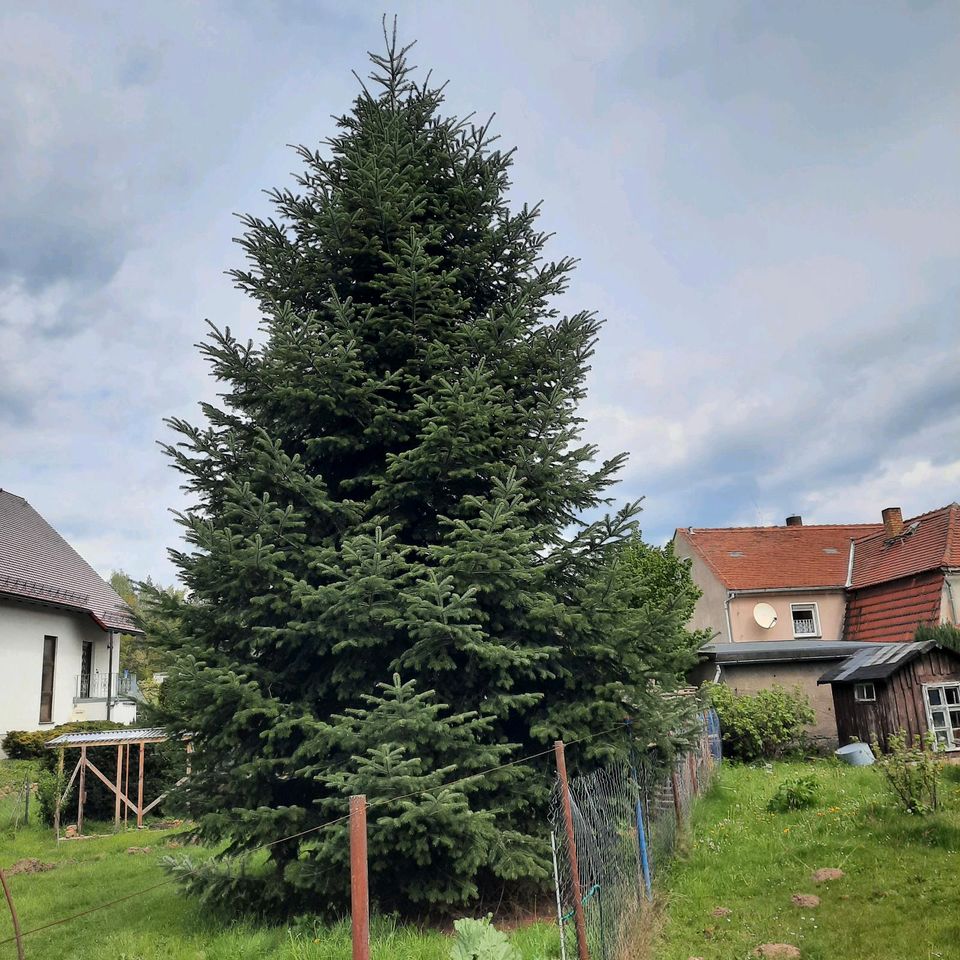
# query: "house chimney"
{"type": "Point", "coordinates": [795, 520]}
{"type": "Point", "coordinates": [892, 522]}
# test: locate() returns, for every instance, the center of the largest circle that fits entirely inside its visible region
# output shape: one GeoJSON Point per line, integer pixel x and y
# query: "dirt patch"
{"type": "Point", "coordinates": [29, 865]}
{"type": "Point", "coordinates": [826, 874]}
{"type": "Point", "coordinates": [777, 951]}
{"type": "Point", "coordinates": [721, 912]}
{"type": "Point", "coordinates": [166, 824]}
{"type": "Point", "coordinates": [139, 850]}
{"type": "Point", "coordinates": [805, 900]}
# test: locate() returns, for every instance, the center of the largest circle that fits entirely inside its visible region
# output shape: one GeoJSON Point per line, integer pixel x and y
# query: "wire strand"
{"type": "Point", "coordinates": [321, 826]}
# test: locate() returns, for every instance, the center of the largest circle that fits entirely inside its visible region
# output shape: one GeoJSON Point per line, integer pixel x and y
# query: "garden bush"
{"type": "Point", "coordinates": [767, 724]}
{"type": "Point", "coordinates": [912, 771]}
{"type": "Point", "coordinates": [29, 744]}
{"type": "Point", "coordinates": [481, 940]}
{"type": "Point", "coordinates": [797, 793]}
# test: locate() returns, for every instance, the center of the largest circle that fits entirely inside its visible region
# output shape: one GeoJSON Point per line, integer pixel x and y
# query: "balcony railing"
{"type": "Point", "coordinates": [804, 627]}
{"type": "Point", "coordinates": [94, 686]}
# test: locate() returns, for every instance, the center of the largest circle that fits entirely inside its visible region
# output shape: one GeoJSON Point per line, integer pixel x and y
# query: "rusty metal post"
{"type": "Point", "coordinates": [13, 916]}
{"type": "Point", "coordinates": [579, 919]}
{"type": "Point", "coordinates": [359, 892]}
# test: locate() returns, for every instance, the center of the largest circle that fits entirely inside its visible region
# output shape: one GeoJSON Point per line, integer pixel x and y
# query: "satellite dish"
{"type": "Point", "coordinates": [765, 615]}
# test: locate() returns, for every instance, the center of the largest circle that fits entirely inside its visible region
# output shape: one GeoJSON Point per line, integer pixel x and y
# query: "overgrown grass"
{"type": "Point", "coordinates": [898, 898]}
{"type": "Point", "coordinates": [163, 925]}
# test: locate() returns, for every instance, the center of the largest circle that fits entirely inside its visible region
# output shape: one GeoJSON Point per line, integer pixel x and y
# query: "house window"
{"type": "Point", "coordinates": [46, 679]}
{"type": "Point", "coordinates": [943, 714]}
{"type": "Point", "coordinates": [864, 693]}
{"type": "Point", "coordinates": [806, 621]}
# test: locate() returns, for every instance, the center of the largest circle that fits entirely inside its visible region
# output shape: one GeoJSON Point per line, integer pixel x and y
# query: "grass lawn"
{"type": "Point", "coordinates": [898, 900]}
{"type": "Point", "coordinates": [161, 924]}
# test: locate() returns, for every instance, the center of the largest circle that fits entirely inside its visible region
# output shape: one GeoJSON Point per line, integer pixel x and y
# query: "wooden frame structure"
{"type": "Point", "coordinates": [123, 740]}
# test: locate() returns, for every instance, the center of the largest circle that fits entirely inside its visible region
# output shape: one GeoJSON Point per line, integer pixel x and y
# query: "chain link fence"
{"type": "Point", "coordinates": [626, 819]}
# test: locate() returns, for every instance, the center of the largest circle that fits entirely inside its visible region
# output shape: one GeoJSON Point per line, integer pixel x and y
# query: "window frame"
{"type": "Point", "coordinates": [863, 685]}
{"type": "Point", "coordinates": [951, 740]}
{"type": "Point", "coordinates": [48, 681]}
{"type": "Point", "coordinates": [812, 607]}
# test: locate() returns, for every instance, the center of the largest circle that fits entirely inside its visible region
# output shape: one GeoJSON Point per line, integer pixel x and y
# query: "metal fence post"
{"type": "Point", "coordinates": [579, 918]}
{"type": "Point", "coordinates": [359, 892]}
{"type": "Point", "coordinates": [13, 916]}
{"type": "Point", "coordinates": [642, 841]}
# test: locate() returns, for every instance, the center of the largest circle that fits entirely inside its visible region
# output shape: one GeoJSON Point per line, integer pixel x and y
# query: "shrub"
{"type": "Point", "coordinates": [481, 940]}
{"type": "Point", "coordinates": [29, 744]}
{"type": "Point", "coordinates": [797, 793]}
{"type": "Point", "coordinates": [766, 724]}
{"type": "Point", "coordinates": [912, 772]}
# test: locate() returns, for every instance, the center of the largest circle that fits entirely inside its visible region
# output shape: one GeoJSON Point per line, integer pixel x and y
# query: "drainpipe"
{"type": "Point", "coordinates": [953, 599]}
{"type": "Point", "coordinates": [109, 671]}
{"type": "Point", "coordinates": [726, 607]}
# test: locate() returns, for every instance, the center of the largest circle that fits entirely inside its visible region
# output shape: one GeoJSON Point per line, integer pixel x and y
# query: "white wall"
{"type": "Point", "coordinates": [22, 629]}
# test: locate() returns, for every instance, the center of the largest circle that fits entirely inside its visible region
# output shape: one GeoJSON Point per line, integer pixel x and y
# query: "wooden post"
{"type": "Point", "coordinates": [56, 809]}
{"type": "Point", "coordinates": [13, 916]}
{"type": "Point", "coordinates": [81, 790]}
{"type": "Point", "coordinates": [692, 767]}
{"type": "Point", "coordinates": [677, 803]}
{"type": "Point", "coordinates": [359, 892]}
{"type": "Point", "coordinates": [140, 787]}
{"type": "Point", "coordinates": [126, 785]}
{"type": "Point", "coordinates": [116, 805]}
{"type": "Point", "coordinates": [579, 919]}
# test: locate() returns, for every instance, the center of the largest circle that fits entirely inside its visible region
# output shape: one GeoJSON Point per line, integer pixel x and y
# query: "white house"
{"type": "Point", "coordinates": [60, 626]}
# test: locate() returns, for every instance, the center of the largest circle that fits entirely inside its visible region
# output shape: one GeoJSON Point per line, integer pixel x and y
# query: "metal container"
{"type": "Point", "coordinates": [856, 754]}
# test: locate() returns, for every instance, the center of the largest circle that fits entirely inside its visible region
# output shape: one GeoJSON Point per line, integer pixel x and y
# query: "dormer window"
{"type": "Point", "coordinates": [806, 620]}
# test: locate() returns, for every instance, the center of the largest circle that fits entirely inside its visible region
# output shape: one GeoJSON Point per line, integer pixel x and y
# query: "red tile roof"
{"type": "Point", "coordinates": [36, 563]}
{"type": "Point", "coordinates": [768, 558]}
{"type": "Point", "coordinates": [891, 612]}
{"type": "Point", "coordinates": [929, 542]}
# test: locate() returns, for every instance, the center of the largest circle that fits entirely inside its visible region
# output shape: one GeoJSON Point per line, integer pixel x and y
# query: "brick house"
{"type": "Point", "coordinates": [903, 575]}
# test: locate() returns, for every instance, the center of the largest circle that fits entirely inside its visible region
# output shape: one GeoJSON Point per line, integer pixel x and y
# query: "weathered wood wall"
{"type": "Point", "coordinates": [899, 704]}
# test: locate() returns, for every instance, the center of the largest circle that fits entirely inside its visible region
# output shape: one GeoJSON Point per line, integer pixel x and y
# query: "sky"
{"type": "Point", "coordinates": [764, 198]}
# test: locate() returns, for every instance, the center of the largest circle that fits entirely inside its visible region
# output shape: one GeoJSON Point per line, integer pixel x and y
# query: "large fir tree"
{"type": "Point", "coordinates": [395, 481]}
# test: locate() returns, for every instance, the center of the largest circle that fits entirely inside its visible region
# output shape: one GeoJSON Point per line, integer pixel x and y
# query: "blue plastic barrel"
{"type": "Point", "coordinates": [856, 754]}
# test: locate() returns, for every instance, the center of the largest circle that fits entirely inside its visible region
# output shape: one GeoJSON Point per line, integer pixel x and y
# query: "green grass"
{"type": "Point", "coordinates": [162, 924]}
{"type": "Point", "coordinates": [898, 899]}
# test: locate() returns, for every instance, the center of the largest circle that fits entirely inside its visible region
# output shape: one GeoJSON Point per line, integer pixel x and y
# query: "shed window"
{"type": "Point", "coordinates": [806, 620]}
{"type": "Point", "coordinates": [864, 693]}
{"type": "Point", "coordinates": [943, 714]}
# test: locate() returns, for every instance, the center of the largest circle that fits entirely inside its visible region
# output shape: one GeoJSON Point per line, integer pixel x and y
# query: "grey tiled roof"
{"type": "Point", "coordinates": [36, 563]}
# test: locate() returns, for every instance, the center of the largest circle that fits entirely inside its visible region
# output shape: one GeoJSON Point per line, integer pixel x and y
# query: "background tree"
{"type": "Point", "coordinates": [148, 654]}
{"type": "Point", "coordinates": [395, 481]}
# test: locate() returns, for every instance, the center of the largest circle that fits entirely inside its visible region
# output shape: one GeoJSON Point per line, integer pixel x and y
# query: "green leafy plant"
{"type": "Point", "coordinates": [768, 724]}
{"type": "Point", "coordinates": [481, 940]}
{"type": "Point", "coordinates": [797, 793]}
{"type": "Point", "coordinates": [912, 771]}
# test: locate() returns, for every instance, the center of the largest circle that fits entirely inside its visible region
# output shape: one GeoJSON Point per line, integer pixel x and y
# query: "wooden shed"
{"type": "Point", "coordinates": [898, 686]}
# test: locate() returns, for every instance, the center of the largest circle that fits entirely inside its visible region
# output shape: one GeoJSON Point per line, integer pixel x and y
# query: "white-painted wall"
{"type": "Point", "coordinates": [22, 629]}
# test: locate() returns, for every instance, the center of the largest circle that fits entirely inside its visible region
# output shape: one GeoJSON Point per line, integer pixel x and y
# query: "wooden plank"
{"type": "Point", "coordinates": [82, 789]}
{"type": "Point", "coordinates": [99, 773]}
{"type": "Point", "coordinates": [140, 788]}
{"type": "Point", "coordinates": [116, 806]}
